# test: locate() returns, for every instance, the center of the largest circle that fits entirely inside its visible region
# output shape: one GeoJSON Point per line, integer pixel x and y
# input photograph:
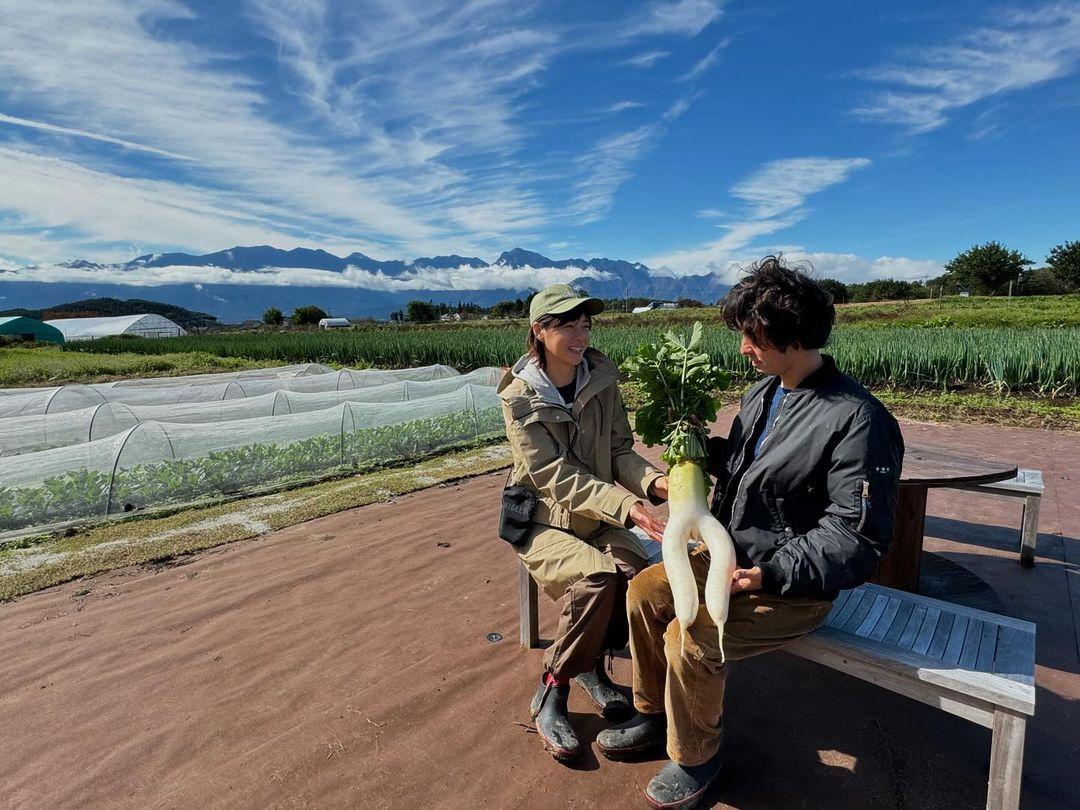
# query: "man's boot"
{"type": "Point", "coordinates": [548, 711]}
{"type": "Point", "coordinates": [641, 733]}
{"type": "Point", "coordinates": [681, 786]}
{"type": "Point", "coordinates": [608, 700]}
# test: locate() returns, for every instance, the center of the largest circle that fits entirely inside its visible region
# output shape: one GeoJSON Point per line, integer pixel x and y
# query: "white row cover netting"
{"type": "Point", "coordinates": [28, 434]}
{"type": "Point", "coordinates": [298, 370]}
{"type": "Point", "coordinates": [155, 464]}
{"type": "Point", "coordinates": [73, 397]}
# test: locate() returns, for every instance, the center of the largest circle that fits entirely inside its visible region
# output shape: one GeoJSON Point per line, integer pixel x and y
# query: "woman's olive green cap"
{"type": "Point", "coordinates": [560, 298]}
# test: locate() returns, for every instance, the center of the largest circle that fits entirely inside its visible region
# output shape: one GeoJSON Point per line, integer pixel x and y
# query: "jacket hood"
{"type": "Point", "coordinates": [527, 379]}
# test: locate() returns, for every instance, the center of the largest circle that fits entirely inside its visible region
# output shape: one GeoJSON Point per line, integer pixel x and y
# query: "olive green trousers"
{"type": "Point", "coordinates": [589, 578]}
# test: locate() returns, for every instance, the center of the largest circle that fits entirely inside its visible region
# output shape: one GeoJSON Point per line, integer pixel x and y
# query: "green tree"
{"type": "Point", "coordinates": [837, 289]}
{"type": "Point", "coordinates": [306, 316]}
{"type": "Point", "coordinates": [1064, 260]}
{"type": "Point", "coordinates": [687, 303]}
{"type": "Point", "coordinates": [1043, 281]}
{"type": "Point", "coordinates": [987, 269]}
{"type": "Point", "coordinates": [420, 311]}
{"type": "Point", "coordinates": [273, 317]}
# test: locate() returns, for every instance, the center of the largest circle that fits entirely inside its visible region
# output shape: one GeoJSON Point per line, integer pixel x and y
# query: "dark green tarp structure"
{"type": "Point", "coordinates": [19, 326]}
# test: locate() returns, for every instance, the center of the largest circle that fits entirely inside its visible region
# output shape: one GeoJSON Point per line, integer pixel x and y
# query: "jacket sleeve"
{"type": "Point", "coordinates": [628, 468]}
{"type": "Point", "coordinates": [569, 486]}
{"type": "Point", "coordinates": [855, 530]}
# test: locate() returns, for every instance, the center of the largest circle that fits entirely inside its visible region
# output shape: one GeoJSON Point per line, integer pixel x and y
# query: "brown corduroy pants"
{"type": "Point", "coordinates": [685, 677]}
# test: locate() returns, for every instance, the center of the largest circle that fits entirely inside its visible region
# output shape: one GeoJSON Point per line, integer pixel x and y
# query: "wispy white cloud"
{"type": "Point", "coordinates": [459, 278]}
{"type": "Point", "coordinates": [406, 135]}
{"type": "Point", "coordinates": [647, 59]}
{"type": "Point", "coordinates": [620, 106]}
{"type": "Point", "coordinates": [609, 164]}
{"type": "Point", "coordinates": [774, 199]}
{"type": "Point", "coordinates": [67, 210]}
{"type": "Point", "coordinates": [81, 133]}
{"type": "Point", "coordinates": [701, 67]}
{"type": "Point", "coordinates": [1025, 47]}
{"type": "Point", "coordinates": [684, 17]}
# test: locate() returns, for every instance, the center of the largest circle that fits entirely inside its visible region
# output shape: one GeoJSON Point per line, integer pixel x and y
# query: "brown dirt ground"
{"type": "Point", "coordinates": [344, 662]}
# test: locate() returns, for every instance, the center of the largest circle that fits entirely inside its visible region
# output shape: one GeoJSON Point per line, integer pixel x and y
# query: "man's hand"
{"type": "Point", "coordinates": [746, 579]}
{"type": "Point", "coordinates": [658, 488]}
{"type": "Point", "coordinates": [649, 521]}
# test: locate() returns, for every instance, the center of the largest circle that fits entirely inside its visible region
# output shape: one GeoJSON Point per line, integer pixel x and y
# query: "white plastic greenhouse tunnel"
{"type": "Point", "coordinates": [73, 397]}
{"type": "Point", "coordinates": [285, 372]}
{"type": "Point", "coordinates": [32, 433]}
{"type": "Point", "coordinates": [116, 457]}
{"type": "Point", "coordinates": [145, 325]}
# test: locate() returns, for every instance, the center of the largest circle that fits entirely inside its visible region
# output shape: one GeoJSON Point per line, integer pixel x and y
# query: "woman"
{"type": "Point", "coordinates": [571, 442]}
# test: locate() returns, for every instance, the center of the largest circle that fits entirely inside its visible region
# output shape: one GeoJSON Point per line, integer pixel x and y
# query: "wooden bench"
{"type": "Point", "coordinates": [1028, 487]}
{"type": "Point", "coordinates": [971, 663]}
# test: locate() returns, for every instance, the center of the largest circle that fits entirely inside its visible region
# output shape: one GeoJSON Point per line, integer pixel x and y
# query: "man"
{"type": "Point", "coordinates": [806, 484]}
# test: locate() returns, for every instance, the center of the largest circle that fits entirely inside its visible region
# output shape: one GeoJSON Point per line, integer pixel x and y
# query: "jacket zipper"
{"type": "Point", "coordinates": [741, 490]}
{"type": "Point", "coordinates": [864, 500]}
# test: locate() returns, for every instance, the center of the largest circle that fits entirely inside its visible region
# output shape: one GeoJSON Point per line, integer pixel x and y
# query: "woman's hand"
{"type": "Point", "coordinates": [746, 579]}
{"type": "Point", "coordinates": [649, 521]}
{"type": "Point", "coordinates": [659, 488]}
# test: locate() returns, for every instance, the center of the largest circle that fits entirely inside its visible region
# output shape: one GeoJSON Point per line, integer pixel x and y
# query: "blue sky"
{"type": "Point", "coordinates": [874, 139]}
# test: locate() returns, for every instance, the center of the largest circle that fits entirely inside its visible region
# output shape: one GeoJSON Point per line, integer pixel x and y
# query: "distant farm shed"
{"type": "Point", "coordinates": [148, 325]}
{"type": "Point", "coordinates": [30, 328]}
{"type": "Point", "coordinates": [334, 323]}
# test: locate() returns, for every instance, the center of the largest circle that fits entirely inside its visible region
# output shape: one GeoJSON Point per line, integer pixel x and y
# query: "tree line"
{"type": "Point", "coordinates": [987, 269]}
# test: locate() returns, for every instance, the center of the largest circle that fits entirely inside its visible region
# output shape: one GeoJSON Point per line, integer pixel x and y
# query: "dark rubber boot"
{"type": "Point", "coordinates": [641, 733]}
{"type": "Point", "coordinates": [548, 710]}
{"type": "Point", "coordinates": [608, 700]}
{"type": "Point", "coordinates": [678, 786]}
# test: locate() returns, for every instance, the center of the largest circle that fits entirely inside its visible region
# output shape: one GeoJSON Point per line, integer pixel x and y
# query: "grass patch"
{"type": "Point", "coordinates": [42, 562]}
{"type": "Point", "coordinates": [977, 311]}
{"type": "Point", "coordinates": [53, 366]}
{"type": "Point", "coordinates": [980, 408]}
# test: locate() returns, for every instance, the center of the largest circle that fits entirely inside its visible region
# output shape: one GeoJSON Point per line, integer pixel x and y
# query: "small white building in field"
{"type": "Point", "coordinates": [146, 325]}
{"type": "Point", "coordinates": [649, 307]}
{"type": "Point", "coordinates": [334, 323]}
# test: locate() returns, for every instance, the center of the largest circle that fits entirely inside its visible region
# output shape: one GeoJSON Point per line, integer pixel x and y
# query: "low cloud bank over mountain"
{"type": "Point", "coordinates": [241, 282]}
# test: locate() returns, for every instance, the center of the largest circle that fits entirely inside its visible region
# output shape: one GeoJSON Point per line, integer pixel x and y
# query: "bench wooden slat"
{"type": "Point", "coordinates": [971, 644]}
{"type": "Point", "coordinates": [941, 636]}
{"type": "Point", "coordinates": [1015, 657]}
{"type": "Point", "coordinates": [926, 632]}
{"type": "Point", "coordinates": [849, 607]}
{"type": "Point", "coordinates": [899, 623]}
{"type": "Point", "coordinates": [838, 604]}
{"type": "Point", "coordinates": [855, 619]}
{"type": "Point", "coordinates": [987, 648]}
{"type": "Point", "coordinates": [873, 616]}
{"type": "Point", "coordinates": [956, 640]}
{"type": "Point", "coordinates": [912, 629]}
{"type": "Point", "coordinates": [886, 620]}
{"type": "Point", "coordinates": [960, 610]}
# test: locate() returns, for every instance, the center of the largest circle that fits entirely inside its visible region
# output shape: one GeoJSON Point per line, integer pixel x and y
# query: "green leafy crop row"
{"type": "Point", "coordinates": [86, 493]}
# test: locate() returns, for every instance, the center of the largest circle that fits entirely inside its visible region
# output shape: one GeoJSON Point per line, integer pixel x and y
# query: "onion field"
{"type": "Point", "coordinates": [1029, 360]}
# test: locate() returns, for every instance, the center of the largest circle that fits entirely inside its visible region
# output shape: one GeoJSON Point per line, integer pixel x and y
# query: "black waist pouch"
{"type": "Point", "coordinates": [518, 506]}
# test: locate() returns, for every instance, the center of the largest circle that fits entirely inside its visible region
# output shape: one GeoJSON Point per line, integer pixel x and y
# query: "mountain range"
{"type": "Point", "coordinates": [242, 282]}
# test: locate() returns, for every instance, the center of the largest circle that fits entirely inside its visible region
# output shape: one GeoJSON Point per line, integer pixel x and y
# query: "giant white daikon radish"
{"type": "Point", "coordinates": [679, 384]}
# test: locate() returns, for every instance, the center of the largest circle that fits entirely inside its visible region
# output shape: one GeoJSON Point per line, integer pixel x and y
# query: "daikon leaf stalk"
{"type": "Point", "coordinates": [679, 384]}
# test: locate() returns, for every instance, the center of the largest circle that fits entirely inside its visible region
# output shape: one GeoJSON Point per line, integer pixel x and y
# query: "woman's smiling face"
{"type": "Point", "coordinates": [565, 343]}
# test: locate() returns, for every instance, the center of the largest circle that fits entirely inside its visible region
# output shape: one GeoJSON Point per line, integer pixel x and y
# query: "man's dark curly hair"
{"type": "Point", "coordinates": [779, 307]}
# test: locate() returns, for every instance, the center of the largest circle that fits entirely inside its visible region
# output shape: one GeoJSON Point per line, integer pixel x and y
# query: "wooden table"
{"type": "Point", "coordinates": [926, 467]}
